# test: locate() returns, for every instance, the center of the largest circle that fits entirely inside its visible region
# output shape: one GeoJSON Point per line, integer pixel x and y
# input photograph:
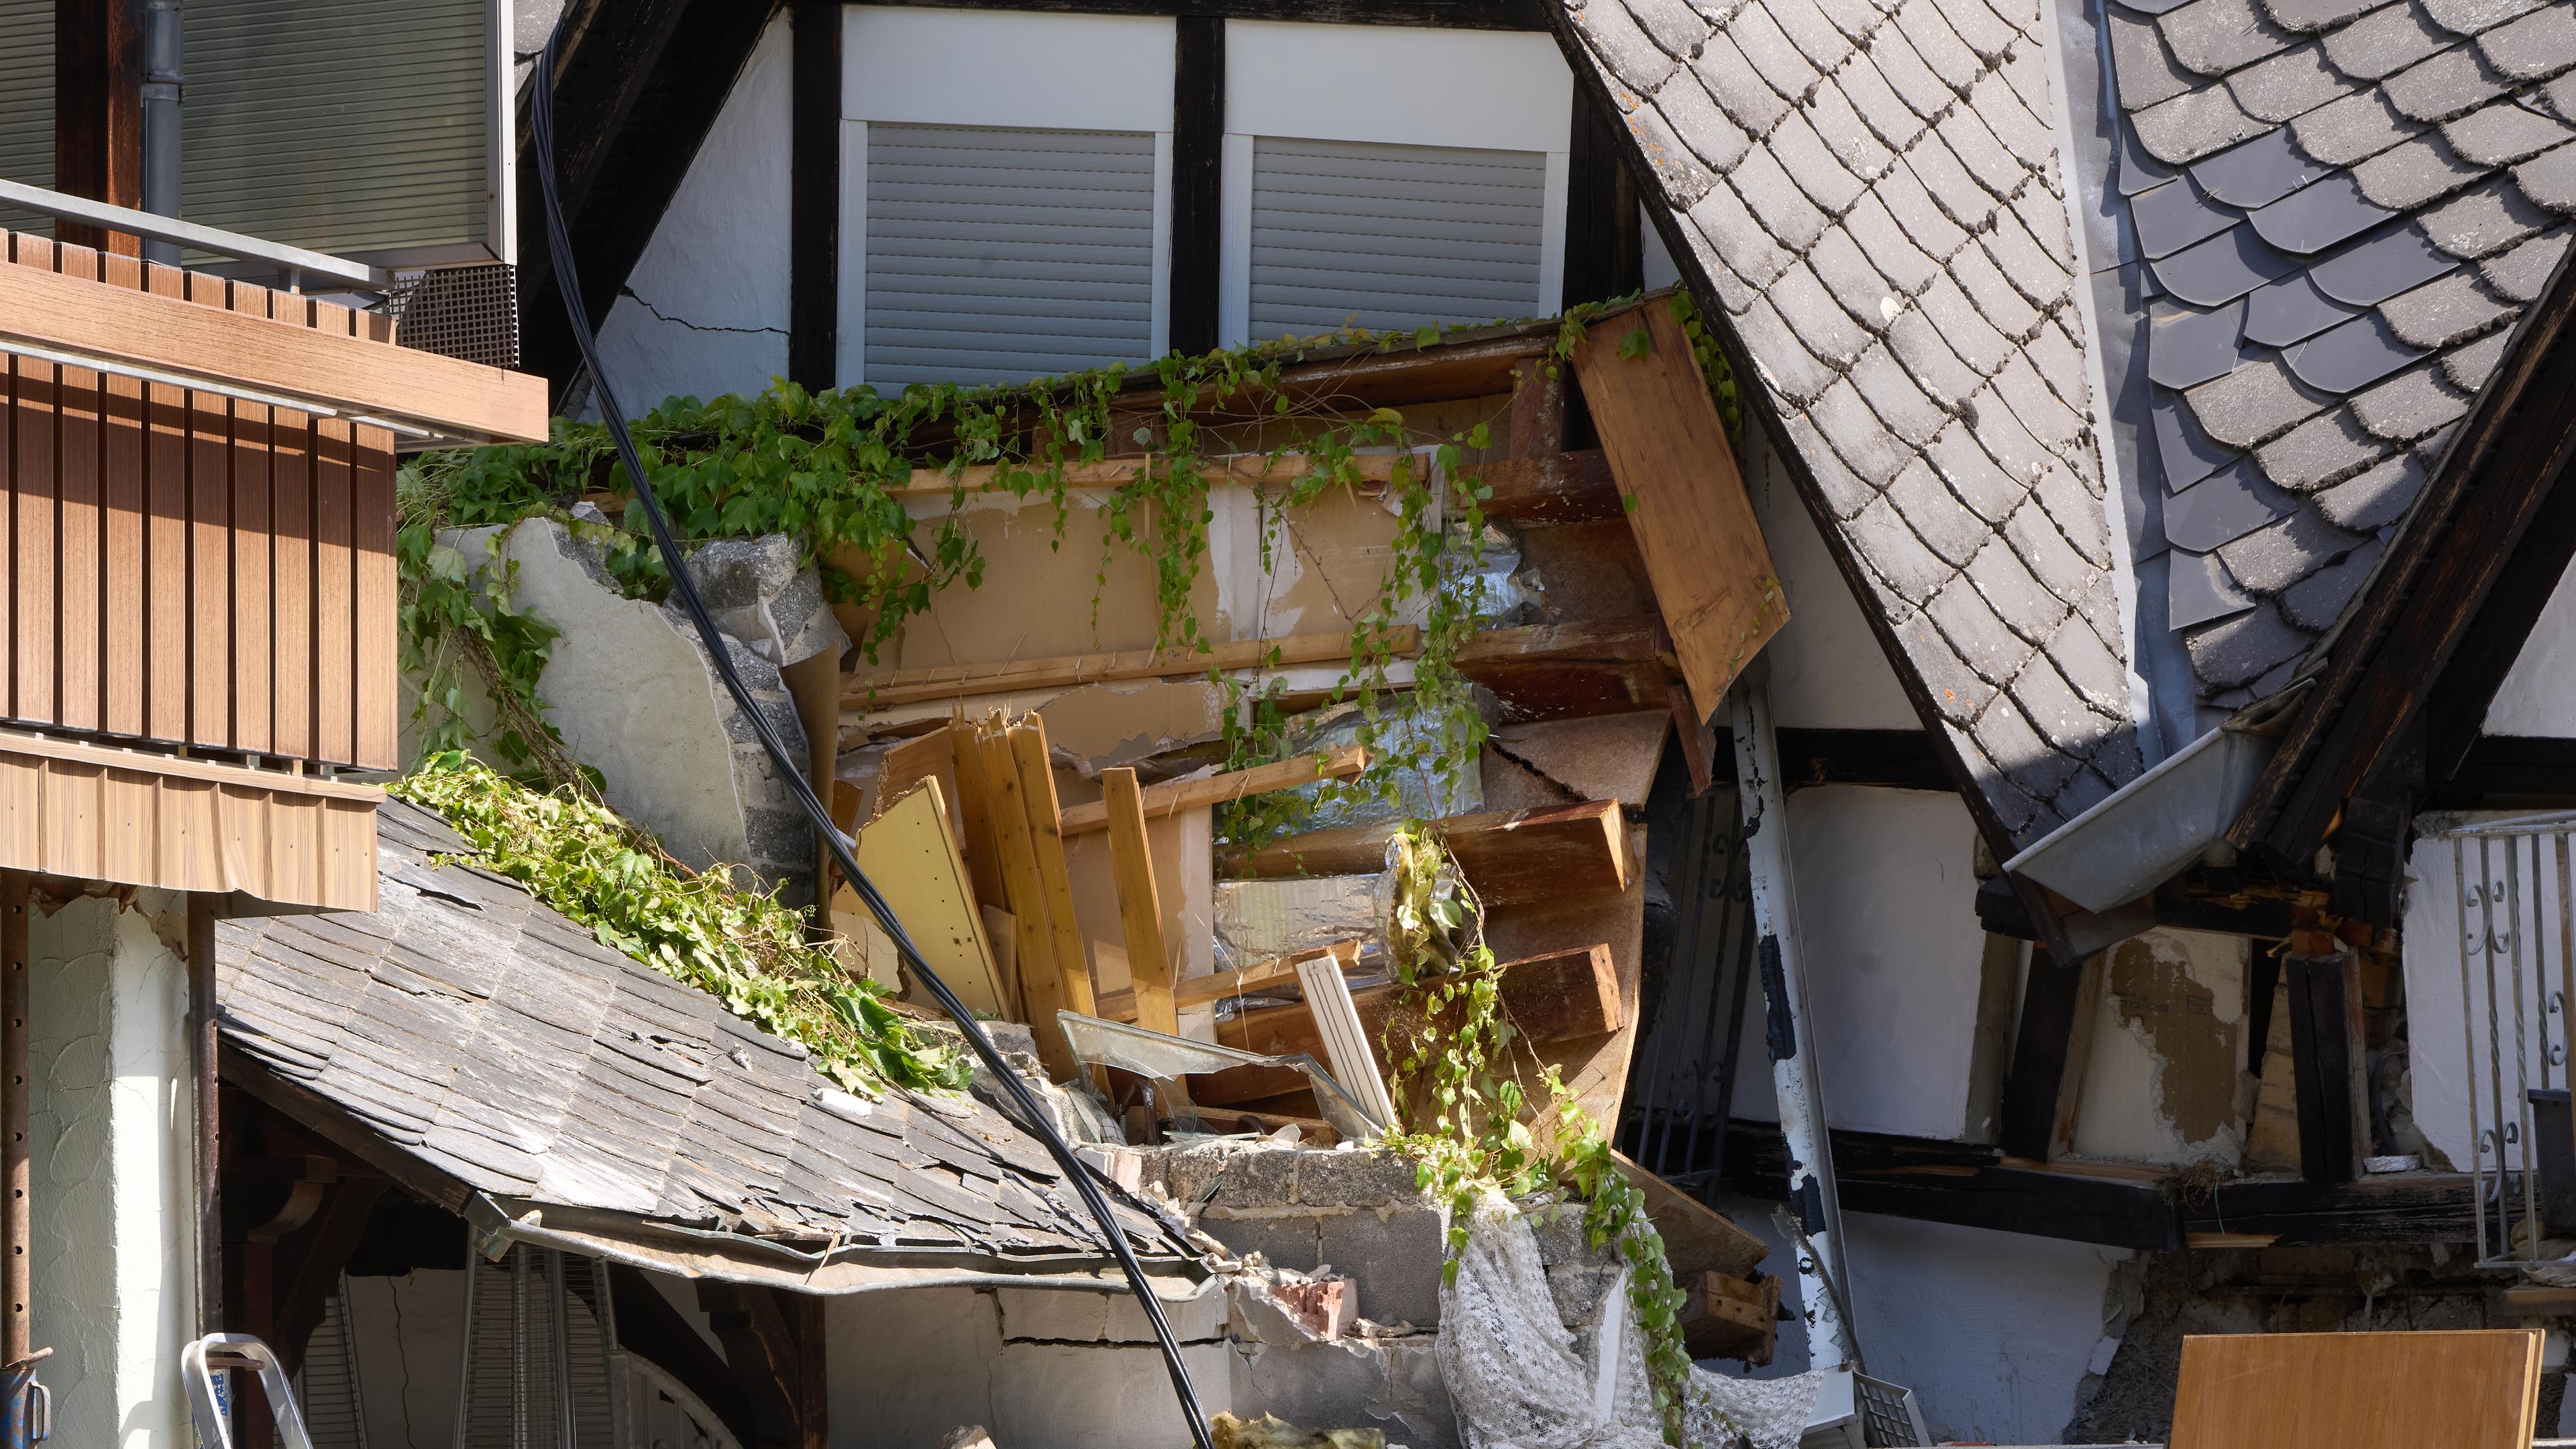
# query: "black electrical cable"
{"type": "Point", "coordinates": [568, 282]}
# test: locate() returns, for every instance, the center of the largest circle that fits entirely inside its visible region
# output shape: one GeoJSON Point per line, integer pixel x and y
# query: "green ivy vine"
{"type": "Point", "coordinates": [741, 946]}
{"type": "Point", "coordinates": [1460, 1109]}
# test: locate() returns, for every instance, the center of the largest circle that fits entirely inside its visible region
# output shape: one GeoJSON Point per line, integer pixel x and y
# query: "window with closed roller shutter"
{"type": "Point", "coordinates": [1392, 237]}
{"type": "Point", "coordinates": [27, 105]}
{"type": "Point", "coordinates": [995, 255]}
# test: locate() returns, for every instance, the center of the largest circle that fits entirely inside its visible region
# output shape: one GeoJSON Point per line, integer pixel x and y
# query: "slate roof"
{"type": "Point", "coordinates": [503, 1047]}
{"type": "Point", "coordinates": [2339, 208]}
{"type": "Point", "coordinates": [1869, 187]}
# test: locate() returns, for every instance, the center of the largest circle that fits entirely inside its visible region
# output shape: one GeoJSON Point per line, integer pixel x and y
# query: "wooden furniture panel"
{"type": "Point", "coordinates": [2462, 1389]}
{"type": "Point", "coordinates": [1714, 580]}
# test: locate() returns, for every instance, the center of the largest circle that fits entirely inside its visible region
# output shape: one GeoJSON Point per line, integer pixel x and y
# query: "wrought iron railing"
{"type": "Point", "coordinates": [1681, 1084]}
{"type": "Point", "coordinates": [2517, 943]}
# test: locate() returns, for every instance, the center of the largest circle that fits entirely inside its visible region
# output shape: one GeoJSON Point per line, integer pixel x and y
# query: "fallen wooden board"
{"type": "Point", "coordinates": [1564, 996]}
{"type": "Point", "coordinates": [1140, 905]}
{"type": "Point", "coordinates": [1064, 671]}
{"type": "Point", "coordinates": [1510, 856]}
{"type": "Point", "coordinates": [1714, 580]}
{"type": "Point", "coordinates": [1174, 796]}
{"type": "Point", "coordinates": [1612, 757]}
{"type": "Point", "coordinates": [2460, 1389]}
{"type": "Point", "coordinates": [1697, 1238]}
{"type": "Point", "coordinates": [1594, 1068]}
{"type": "Point", "coordinates": [1040, 980]}
{"type": "Point", "coordinates": [910, 855]}
{"type": "Point", "coordinates": [1278, 971]}
{"type": "Point", "coordinates": [1566, 671]}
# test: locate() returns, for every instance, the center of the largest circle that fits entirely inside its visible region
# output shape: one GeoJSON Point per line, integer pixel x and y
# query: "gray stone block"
{"type": "Point", "coordinates": [1287, 1240]}
{"type": "Point", "coordinates": [1356, 1179]}
{"type": "Point", "coordinates": [1397, 1256]}
{"type": "Point", "coordinates": [1260, 1178]}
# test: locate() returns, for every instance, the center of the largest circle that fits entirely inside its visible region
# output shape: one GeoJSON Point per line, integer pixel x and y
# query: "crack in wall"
{"type": "Point", "coordinates": [661, 316]}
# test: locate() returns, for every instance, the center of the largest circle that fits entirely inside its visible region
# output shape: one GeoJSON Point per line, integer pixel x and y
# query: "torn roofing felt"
{"type": "Point", "coordinates": [2337, 210]}
{"type": "Point", "coordinates": [1871, 193]}
{"type": "Point", "coordinates": [501, 1049]}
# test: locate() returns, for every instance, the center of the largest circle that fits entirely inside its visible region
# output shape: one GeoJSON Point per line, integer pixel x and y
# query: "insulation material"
{"type": "Point", "coordinates": [1403, 733]}
{"type": "Point", "coordinates": [1258, 920]}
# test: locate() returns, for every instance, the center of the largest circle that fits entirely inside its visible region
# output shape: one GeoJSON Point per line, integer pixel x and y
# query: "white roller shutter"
{"type": "Point", "coordinates": [1392, 237]}
{"type": "Point", "coordinates": [995, 255]}
{"type": "Point", "coordinates": [27, 103]}
{"type": "Point", "coordinates": [347, 126]}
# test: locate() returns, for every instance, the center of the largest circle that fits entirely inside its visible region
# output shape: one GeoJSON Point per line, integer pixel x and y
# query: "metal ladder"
{"type": "Point", "coordinates": [200, 1361]}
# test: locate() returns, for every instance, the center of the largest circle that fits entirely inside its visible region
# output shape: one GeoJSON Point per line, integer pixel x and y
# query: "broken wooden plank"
{"type": "Point", "coordinates": [1565, 671]}
{"type": "Point", "coordinates": [1348, 1042]}
{"type": "Point", "coordinates": [1174, 796]}
{"type": "Point", "coordinates": [1046, 836]}
{"type": "Point", "coordinates": [1728, 1317]}
{"type": "Point", "coordinates": [887, 688]}
{"type": "Point", "coordinates": [1510, 856]}
{"type": "Point", "coordinates": [1040, 982]}
{"type": "Point", "coordinates": [1714, 580]}
{"type": "Point", "coordinates": [1140, 905]}
{"type": "Point", "coordinates": [1278, 971]}
{"type": "Point", "coordinates": [1565, 996]}
{"type": "Point", "coordinates": [1550, 488]}
{"type": "Point", "coordinates": [975, 813]}
{"type": "Point", "coordinates": [1697, 1238]}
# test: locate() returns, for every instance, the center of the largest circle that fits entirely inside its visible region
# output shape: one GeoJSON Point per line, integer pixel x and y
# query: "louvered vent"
{"type": "Point", "coordinates": [999, 255]}
{"type": "Point", "coordinates": [341, 125]}
{"type": "Point", "coordinates": [1392, 237]}
{"type": "Point", "coordinates": [465, 312]}
{"type": "Point", "coordinates": [535, 1322]}
{"type": "Point", "coordinates": [27, 112]}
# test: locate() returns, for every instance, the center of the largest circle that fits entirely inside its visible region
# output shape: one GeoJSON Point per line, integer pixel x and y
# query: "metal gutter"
{"type": "Point", "coordinates": [2153, 827]}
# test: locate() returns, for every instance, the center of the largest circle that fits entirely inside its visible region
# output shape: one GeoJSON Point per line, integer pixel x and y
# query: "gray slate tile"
{"type": "Point", "coordinates": [1975, 634]}
{"type": "Point", "coordinates": [2350, 355]}
{"type": "Point", "coordinates": [2379, 266]}
{"type": "Point", "coordinates": [2223, 507]}
{"type": "Point", "coordinates": [2385, 41]}
{"type": "Point", "coordinates": [2289, 310]}
{"type": "Point", "coordinates": [2523, 273]}
{"type": "Point", "coordinates": [1738, 88]}
{"type": "Point", "coordinates": [2222, 268]}
{"type": "Point", "coordinates": [1849, 137]}
{"type": "Point", "coordinates": [2408, 175]}
{"type": "Point", "coordinates": [2535, 47]}
{"type": "Point", "coordinates": [2410, 405]}
{"type": "Point", "coordinates": [2198, 590]}
{"type": "Point", "coordinates": [2195, 124]}
{"type": "Point", "coordinates": [2277, 555]}
{"type": "Point", "coordinates": [2352, 129]}
{"type": "Point", "coordinates": [2445, 312]}
{"type": "Point", "coordinates": [2254, 404]}
{"type": "Point", "coordinates": [2290, 84]}
{"type": "Point", "coordinates": [2452, 83]}
{"type": "Point", "coordinates": [1633, 56]}
{"type": "Point", "coordinates": [2502, 134]}
{"type": "Point", "coordinates": [2318, 215]}
{"type": "Point", "coordinates": [2184, 454]}
{"type": "Point", "coordinates": [2242, 649]}
{"type": "Point", "coordinates": [2316, 601]}
{"type": "Point", "coordinates": [2549, 179]}
{"type": "Point", "coordinates": [2325, 449]}
{"type": "Point", "coordinates": [2314, 15]}
{"type": "Point", "coordinates": [2483, 220]}
{"type": "Point", "coordinates": [2469, 367]}
{"type": "Point", "coordinates": [2468, 17]}
{"type": "Point", "coordinates": [2214, 37]}
{"type": "Point", "coordinates": [1691, 115]}
{"type": "Point", "coordinates": [2376, 498]}
{"type": "Point", "coordinates": [2257, 172]}
{"type": "Point", "coordinates": [1929, 361]}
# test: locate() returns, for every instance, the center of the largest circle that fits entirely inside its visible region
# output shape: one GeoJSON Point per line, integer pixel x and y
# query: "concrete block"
{"type": "Point", "coordinates": [1062, 1396]}
{"type": "Point", "coordinates": [1262, 1177]}
{"type": "Point", "coordinates": [1396, 1254]}
{"type": "Point", "coordinates": [1578, 1292]}
{"type": "Point", "coordinates": [1316, 1385]}
{"type": "Point", "coordinates": [1417, 1397]}
{"type": "Point", "coordinates": [1052, 1315]}
{"type": "Point", "coordinates": [1558, 1226]}
{"type": "Point", "coordinates": [1357, 1179]}
{"type": "Point", "coordinates": [1197, 1320]}
{"type": "Point", "coordinates": [1191, 1173]}
{"type": "Point", "coordinates": [1288, 1240]}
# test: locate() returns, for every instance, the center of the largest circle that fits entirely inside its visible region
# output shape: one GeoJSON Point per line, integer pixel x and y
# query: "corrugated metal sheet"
{"type": "Point", "coordinates": [1392, 237]}
{"type": "Point", "coordinates": [998, 255]}
{"type": "Point", "coordinates": [27, 117]}
{"type": "Point", "coordinates": [341, 125]}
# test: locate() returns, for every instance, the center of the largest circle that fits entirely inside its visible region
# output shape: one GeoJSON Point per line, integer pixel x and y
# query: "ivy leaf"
{"type": "Point", "coordinates": [1636, 344]}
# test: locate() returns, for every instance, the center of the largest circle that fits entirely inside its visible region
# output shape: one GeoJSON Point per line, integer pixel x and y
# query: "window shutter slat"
{"type": "Point", "coordinates": [1392, 238]}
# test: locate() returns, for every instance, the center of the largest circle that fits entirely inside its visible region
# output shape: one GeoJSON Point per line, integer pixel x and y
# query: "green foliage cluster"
{"type": "Point", "coordinates": [1449, 1042]}
{"type": "Point", "coordinates": [703, 930]}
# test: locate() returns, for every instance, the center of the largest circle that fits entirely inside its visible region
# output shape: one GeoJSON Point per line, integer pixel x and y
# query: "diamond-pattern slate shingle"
{"type": "Point", "coordinates": [503, 1047]}
{"type": "Point", "coordinates": [2424, 169]}
{"type": "Point", "coordinates": [1872, 191]}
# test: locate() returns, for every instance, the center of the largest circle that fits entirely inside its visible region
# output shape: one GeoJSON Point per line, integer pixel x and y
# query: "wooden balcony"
{"type": "Point", "coordinates": [198, 625]}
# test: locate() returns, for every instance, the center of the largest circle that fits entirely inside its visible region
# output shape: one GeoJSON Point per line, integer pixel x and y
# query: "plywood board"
{"type": "Point", "coordinates": [2463, 1389]}
{"type": "Point", "coordinates": [1595, 1068]}
{"type": "Point", "coordinates": [910, 854]}
{"type": "Point", "coordinates": [1611, 758]}
{"type": "Point", "coordinates": [1184, 880]}
{"type": "Point", "coordinates": [1714, 581]}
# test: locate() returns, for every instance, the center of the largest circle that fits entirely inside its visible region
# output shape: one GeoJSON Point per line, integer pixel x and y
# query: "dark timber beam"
{"type": "Point", "coordinates": [98, 113]}
{"type": "Point", "coordinates": [1198, 180]}
{"type": "Point", "coordinates": [1604, 241]}
{"type": "Point", "coordinates": [648, 1325]}
{"type": "Point", "coordinates": [326, 1246]}
{"type": "Point", "coordinates": [2327, 1061]}
{"type": "Point", "coordinates": [2043, 1087]}
{"type": "Point", "coordinates": [813, 196]}
{"type": "Point", "coordinates": [773, 1343]}
{"type": "Point", "coordinates": [640, 84]}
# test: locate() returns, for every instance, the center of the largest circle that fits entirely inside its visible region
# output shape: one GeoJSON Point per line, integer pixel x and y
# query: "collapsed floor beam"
{"type": "Point", "coordinates": [1812, 1192]}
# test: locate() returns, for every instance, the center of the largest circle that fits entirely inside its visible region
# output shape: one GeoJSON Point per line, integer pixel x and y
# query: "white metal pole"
{"type": "Point", "coordinates": [1831, 1343]}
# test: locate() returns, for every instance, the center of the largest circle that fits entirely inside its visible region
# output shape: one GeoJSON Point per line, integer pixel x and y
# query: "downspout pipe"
{"type": "Point", "coordinates": [1823, 1274]}
{"type": "Point", "coordinates": [163, 82]}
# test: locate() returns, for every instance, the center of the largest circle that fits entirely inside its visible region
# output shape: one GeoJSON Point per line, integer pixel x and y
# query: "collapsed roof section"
{"type": "Point", "coordinates": [1871, 194]}
{"type": "Point", "coordinates": [487, 1052]}
{"type": "Point", "coordinates": [2339, 208]}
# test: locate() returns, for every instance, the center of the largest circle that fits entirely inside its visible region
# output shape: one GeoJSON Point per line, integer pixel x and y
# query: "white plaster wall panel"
{"type": "Point", "coordinates": [1994, 1332]}
{"type": "Point", "coordinates": [1827, 671]}
{"type": "Point", "coordinates": [909, 1365]}
{"type": "Point", "coordinates": [410, 1336]}
{"type": "Point", "coordinates": [2165, 1082]}
{"type": "Point", "coordinates": [2538, 696]}
{"type": "Point", "coordinates": [111, 1117]}
{"type": "Point", "coordinates": [2440, 1033]}
{"type": "Point", "coordinates": [1421, 87]}
{"type": "Point", "coordinates": [989, 68]}
{"type": "Point", "coordinates": [705, 310]}
{"type": "Point", "coordinates": [1884, 881]}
